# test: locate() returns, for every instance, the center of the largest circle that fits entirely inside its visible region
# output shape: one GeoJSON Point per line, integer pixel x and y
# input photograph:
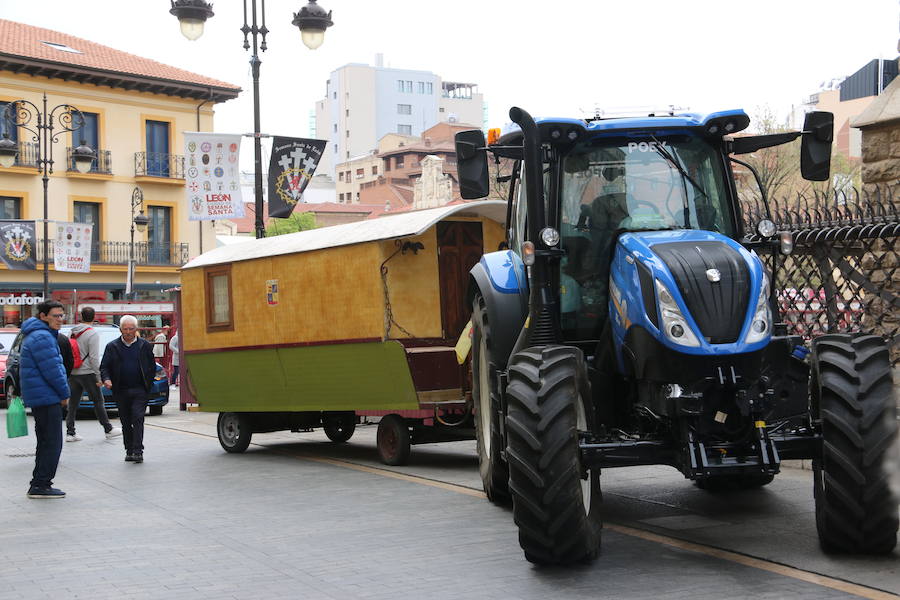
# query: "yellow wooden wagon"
{"type": "Point", "coordinates": [322, 327]}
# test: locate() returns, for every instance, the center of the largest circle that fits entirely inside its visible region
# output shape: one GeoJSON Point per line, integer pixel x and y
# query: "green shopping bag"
{"type": "Point", "coordinates": [16, 424]}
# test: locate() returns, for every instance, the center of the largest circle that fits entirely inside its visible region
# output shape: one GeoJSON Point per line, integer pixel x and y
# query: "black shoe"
{"type": "Point", "coordinates": [45, 493]}
{"type": "Point", "coordinates": [138, 458]}
{"type": "Point", "coordinates": [129, 458]}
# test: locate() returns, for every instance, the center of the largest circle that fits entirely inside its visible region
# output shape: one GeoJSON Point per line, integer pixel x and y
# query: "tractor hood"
{"type": "Point", "coordinates": [715, 286]}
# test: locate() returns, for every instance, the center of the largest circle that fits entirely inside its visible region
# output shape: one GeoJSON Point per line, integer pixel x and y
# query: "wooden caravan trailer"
{"type": "Point", "coordinates": [319, 328]}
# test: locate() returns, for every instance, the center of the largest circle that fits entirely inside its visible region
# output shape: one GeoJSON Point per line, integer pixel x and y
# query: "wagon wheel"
{"type": "Point", "coordinates": [234, 431]}
{"type": "Point", "coordinates": [339, 427]}
{"type": "Point", "coordinates": [393, 440]}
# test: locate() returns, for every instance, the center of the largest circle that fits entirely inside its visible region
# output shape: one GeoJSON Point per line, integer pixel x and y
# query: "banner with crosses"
{"type": "Point", "coordinates": [293, 163]}
{"type": "Point", "coordinates": [212, 175]}
{"type": "Point", "coordinates": [17, 245]}
{"type": "Point", "coordinates": [72, 247]}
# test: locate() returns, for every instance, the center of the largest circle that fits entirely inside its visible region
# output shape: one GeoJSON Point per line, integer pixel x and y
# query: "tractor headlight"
{"type": "Point", "coordinates": [761, 325]}
{"type": "Point", "coordinates": [673, 323]}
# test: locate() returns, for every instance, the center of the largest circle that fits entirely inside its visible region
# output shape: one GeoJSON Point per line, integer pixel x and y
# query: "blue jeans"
{"type": "Point", "coordinates": [48, 431]}
{"type": "Point", "coordinates": [132, 406]}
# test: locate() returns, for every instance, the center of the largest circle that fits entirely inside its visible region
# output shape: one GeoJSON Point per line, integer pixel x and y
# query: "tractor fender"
{"type": "Point", "coordinates": [500, 279]}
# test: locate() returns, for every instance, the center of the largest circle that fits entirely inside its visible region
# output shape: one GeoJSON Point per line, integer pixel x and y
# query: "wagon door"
{"type": "Point", "coordinates": [460, 246]}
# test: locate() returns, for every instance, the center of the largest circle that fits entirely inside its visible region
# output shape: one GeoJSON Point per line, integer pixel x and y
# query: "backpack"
{"type": "Point", "coordinates": [76, 351]}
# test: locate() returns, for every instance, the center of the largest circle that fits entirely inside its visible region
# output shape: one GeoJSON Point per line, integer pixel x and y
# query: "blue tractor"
{"type": "Point", "coordinates": [632, 321]}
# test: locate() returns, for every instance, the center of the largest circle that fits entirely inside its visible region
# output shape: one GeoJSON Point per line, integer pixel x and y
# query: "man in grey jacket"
{"type": "Point", "coordinates": [87, 377]}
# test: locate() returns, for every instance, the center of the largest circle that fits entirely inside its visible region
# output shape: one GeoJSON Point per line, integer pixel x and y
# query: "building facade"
{"type": "Point", "coordinates": [364, 103]}
{"type": "Point", "coordinates": [847, 99]}
{"type": "Point", "coordinates": [135, 111]}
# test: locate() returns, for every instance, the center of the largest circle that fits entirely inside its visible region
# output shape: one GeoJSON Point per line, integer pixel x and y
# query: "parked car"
{"type": "Point", "coordinates": [159, 394]}
{"type": "Point", "coordinates": [7, 337]}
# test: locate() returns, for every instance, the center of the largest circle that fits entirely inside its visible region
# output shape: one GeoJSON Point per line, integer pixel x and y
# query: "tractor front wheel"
{"type": "Point", "coordinates": [856, 509]}
{"type": "Point", "coordinates": [491, 465]}
{"type": "Point", "coordinates": [556, 500]}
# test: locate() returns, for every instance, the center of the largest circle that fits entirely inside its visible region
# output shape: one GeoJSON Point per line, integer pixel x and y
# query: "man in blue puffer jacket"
{"type": "Point", "coordinates": [46, 391]}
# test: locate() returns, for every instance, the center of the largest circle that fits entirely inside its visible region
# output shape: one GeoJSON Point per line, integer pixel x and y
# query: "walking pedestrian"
{"type": "Point", "coordinates": [65, 352]}
{"type": "Point", "coordinates": [128, 369]}
{"type": "Point", "coordinates": [173, 346]}
{"type": "Point", "coordinates": [86, 378]}
{"type": "Point", "coordinates": [160, 344]}
{"type": "Point", "coordinates": [44, 390]}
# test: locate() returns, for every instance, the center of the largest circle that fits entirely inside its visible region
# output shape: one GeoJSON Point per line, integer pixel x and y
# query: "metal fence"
{"type": "Point", "coordinates": [844, 272]}
{"type": "Point", "coordinates": [102, 164]}
{"type": "Point", "coordinates": [159, 164]}
{"type": "Point", "coordinates": [116, 253]}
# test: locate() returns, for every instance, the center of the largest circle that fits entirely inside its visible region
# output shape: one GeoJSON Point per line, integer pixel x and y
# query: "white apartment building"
{"type": "Point", "coordinates": [363, 103]}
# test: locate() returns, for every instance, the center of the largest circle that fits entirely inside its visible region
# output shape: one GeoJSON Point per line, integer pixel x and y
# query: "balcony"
{"type": "Point", "coordinates": [102, 165]}
{"type": "Point", "coordinates": [116, 253]}
{"type": "Point", "coordinates": [159, 164]}
{"type": "Point", "coordinates": [27, 156]}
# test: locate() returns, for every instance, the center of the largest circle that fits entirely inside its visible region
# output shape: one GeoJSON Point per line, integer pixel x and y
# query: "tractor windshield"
{"type": "Point", "coordinates": [634, 183]}
{"type": "Point", "coordinates": [646, 183]}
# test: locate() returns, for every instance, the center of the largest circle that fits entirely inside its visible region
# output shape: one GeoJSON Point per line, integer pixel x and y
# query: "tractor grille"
{"type": "Point", "coordinates": [718, 307]}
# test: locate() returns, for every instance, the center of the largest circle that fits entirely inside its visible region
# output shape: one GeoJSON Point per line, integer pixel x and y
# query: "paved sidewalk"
{"type": "Point", "coordinates": [195, 522]}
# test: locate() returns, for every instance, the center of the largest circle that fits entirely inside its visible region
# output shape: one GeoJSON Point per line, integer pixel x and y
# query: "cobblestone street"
{"type": "Point", "coordinates": [298, 517]}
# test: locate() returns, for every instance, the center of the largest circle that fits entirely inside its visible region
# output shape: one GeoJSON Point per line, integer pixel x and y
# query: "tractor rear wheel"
{"type": "Point", "coordinates": [491, 465]}
{"type": "Point", "coordinates": [856, 510]}
{"type": "Point", "coordinates": [556, 500]}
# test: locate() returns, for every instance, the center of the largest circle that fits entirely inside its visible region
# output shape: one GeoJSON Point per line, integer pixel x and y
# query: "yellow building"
{"type": "Point", "coordinates": [135, 112]}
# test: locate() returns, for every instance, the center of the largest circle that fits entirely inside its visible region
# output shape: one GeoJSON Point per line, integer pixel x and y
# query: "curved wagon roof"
{"type": "Point", "coordinates": [383, 228]}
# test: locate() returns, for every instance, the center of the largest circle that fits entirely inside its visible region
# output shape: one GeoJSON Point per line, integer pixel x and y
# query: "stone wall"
{"type": "Point", "coordinates": [881, 153]}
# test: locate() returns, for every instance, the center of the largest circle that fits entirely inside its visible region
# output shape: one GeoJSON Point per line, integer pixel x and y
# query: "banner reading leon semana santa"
{"type": "Point", "coordinates": [72, 247]}
{"type": "Point", "coordinates": [212, 175]}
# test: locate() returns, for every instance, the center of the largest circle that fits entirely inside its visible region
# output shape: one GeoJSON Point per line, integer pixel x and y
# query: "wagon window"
{"type": "Point", "coordinates": [218, 299]}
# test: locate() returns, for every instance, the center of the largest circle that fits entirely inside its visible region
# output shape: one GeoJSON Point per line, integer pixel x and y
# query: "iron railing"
{"type": "Point", "coordinates": [28, 155]}
{"type": "Point", "coordinates": [102, 164]}
{"type": "Point", "coordinates": [844, 272]}
{"type": "Point", "coordinates": [116, 253]}
{"type": "Point", "coordinates": [159, 164]}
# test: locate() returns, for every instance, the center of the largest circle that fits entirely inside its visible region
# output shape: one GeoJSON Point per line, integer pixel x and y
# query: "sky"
{"type": "Point", "coordinates": [563, 58]}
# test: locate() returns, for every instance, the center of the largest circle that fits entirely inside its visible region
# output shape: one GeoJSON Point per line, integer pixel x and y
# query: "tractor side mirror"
{"type": "Point", "coordinates": [815, 148]}
{"type": "Point", "coordinates": [471, 164]}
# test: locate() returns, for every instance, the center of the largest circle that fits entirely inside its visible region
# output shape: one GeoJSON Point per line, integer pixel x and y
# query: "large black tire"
{"type": "Point", "coordinates": [393, 440]}
{"type": "Point", "coordinates": [234, 432]}
{"type": "Point", "coordinates": [556, 503]}
{"type": "Point", "coordinates": [339, 427]}
{"type": "Point", "coordinates": [856, 511]}
{"type": "Point", "coordinates": [155, 411]}
{"type": "Point", "coordinates": [489, 442]}
{"type": "Point", "coordinates": [731, 483]}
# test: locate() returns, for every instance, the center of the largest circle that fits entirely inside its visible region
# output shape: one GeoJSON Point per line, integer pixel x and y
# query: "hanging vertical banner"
{"type": "Point", "coordinates": [72, 247]}
{"type": "Point", "coordinates": [292, 165]}
{"type": "Point", "coordinates": [17, 244]}
{"type": "Point", "coordinates": [212, 175]}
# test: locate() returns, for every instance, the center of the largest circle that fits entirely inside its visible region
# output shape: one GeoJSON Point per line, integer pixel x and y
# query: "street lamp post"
{"type": "Point", "coordinates": [141, 220]}
{"type": "Point", "coordinates": [312, 21]}
{"type": "Point", "coordinates": [39, 122]}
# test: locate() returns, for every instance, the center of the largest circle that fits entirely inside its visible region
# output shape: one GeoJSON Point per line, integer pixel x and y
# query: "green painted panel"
{"type": "Point", "coordinates": [370, 376]}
